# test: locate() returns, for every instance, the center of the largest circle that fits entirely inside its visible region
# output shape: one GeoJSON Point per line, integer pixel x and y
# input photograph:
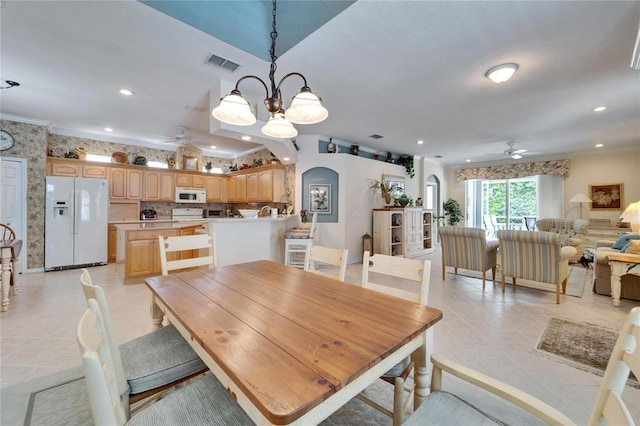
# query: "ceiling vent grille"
{"type": "Point", "coordinates": [220, 62]}
{"type": "Point", "coordinates": [376, 137]}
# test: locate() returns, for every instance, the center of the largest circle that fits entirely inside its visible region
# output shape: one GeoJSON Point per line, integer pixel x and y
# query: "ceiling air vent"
{"type": "Point", "coordinates": [217, 61]}
{"type": "Point", "coordinates": [376, 137]}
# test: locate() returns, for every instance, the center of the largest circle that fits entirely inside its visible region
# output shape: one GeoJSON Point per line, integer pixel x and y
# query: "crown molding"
{"type": "Point", "coordinates": [25, 120]}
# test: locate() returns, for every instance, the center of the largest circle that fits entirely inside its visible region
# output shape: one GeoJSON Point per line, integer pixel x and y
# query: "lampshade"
{"type": "Point", "coordinates": [501, 73]}
{"type": "Point", "coordinates": [234, 109]}
{"type": "Point", "coordinates": [306, 108]}
{"type": "Point", "coordinates": [279, 127]}
{"type": "Point", "coordinates": [632, 216]}
{"type": "Point", "coordinates": [580, 198]}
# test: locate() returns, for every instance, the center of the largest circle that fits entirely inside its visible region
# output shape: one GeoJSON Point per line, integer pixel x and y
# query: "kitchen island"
{"type": "Point", "coordinates": [137, 247]}
{"type": "Point", "coordinates": [240, 240]}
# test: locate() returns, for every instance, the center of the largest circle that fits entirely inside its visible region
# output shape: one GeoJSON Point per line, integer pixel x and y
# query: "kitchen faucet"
{"type": "Point", "coordinates": [260, 213]}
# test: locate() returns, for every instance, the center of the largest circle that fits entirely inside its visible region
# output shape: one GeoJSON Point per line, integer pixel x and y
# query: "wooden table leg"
{"type": "Point", "coordinates": [5, 277]}
{"type": "Point", "coordinates": [157, 316]}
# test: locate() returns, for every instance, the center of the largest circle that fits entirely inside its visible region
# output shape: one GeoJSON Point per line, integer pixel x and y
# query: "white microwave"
{"type": "Point", "coordinates": [191, 195]}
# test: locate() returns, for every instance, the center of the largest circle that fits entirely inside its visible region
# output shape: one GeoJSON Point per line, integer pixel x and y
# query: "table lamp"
{"type": "Point", "coordinates": [580, 198]}
{"type": "Point", "coordinates": [632, 215]}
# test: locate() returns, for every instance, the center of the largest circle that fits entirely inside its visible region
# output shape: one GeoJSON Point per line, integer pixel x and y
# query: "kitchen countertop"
{"type": "Point", "coordinates": [280, 218]}
{"type": "Point", "coordinates": [155, 225]}
{"type": "Point", "coordinates": [159, 219]}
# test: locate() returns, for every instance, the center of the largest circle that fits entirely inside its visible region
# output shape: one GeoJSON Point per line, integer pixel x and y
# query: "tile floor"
{"type": "Point", "coordinates": [487, 331]}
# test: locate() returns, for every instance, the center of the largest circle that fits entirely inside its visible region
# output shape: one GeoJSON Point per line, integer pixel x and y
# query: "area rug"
{"type": "Point", "coordinates": [575, 281]}
{"type": "Point", "coordinates": [581, 345]}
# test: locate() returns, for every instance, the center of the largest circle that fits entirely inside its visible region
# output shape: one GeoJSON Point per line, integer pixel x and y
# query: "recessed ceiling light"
{"type": "Point", "coordinates": [600, 108]}
{"type": "Point", "coordinates": [286, 158]}
{"type": "Point", "coordinates": [599, 145]}
{"type": "Point", "coordinates": [108, 129]}
{"type": "Point", "coordinates": [213, 147]}
{"type": "Point", "coordinates": [246, 138]}
{"type": "Point", "coordinates": [126, 92]}
{"type": "Point", "coordinates": [501, 73]}
{"type": "Point", "coordinates": [516, 156]}
{"type": "Point", "coordinates": [468, 160]}
{"type": "Point", "coordinates": [420, 142]}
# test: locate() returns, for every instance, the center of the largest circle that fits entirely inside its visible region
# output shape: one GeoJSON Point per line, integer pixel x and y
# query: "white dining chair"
{"type": "Point", "coordinates": [149, 364]}
{"type": "Point", "coordinates": [319, 256]}
{"type": "Point", "coordinates": [389, 271]}
{"type": "Point", "coordinates": [204, 401]}
{"type": "Point", "coordinates": [195, 243]}
{"type": "Point", "coordinates": [442, 407]}
{"type": "Point", "coordinates": [296, 241]}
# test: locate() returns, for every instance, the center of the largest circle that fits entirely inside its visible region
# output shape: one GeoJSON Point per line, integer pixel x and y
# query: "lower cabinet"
{"type": "Point", "coordinates": [142, 254]}
{"type": "Point", "coordinates": [112, 237]}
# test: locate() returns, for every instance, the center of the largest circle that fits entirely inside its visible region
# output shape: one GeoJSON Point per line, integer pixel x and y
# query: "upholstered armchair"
{"type": "Point", "coordinates": [468, 248]}
{"type": "Point", "coordinates": [572, 231]}
{"type": "Point", "coordinates": [536, 256]}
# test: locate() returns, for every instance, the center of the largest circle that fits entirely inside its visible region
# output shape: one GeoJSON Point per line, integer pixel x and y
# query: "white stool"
{"type": "Point", "coordinates": [296, 242]}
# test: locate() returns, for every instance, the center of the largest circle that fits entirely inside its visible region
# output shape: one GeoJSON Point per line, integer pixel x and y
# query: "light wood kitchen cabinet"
{"type": "Point", "coordinates": [64, 169]}
{"type": "Point", "coordinates": [237, 188]}
{"type": "Point", "coordinates": [111, 243]}
{"type": "Point", "coordinates": [125, 184]}
{"type": "Point", "coordinates": [187, 180]}
{"type": "Point", "coordinates": [265, 186]}
{"type": "Point", "coordinates": [91, 171]}
{"type": "Point", "coordinates": [216, 189]}
{"type": "Point", "coordinates": [142, 256]}
{"type": "Point", "coordinates": [159, 186]}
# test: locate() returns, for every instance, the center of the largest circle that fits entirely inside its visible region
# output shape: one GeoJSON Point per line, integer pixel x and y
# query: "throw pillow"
{"type": "Point", "coordinates": [633, 247]}
{"type": "Point", "coordinates": [624, 239]}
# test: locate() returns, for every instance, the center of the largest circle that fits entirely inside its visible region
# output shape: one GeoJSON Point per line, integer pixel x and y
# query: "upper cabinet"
{"type": "Point", "coordinates": [216, 189]}
{"type": "Point", "coordinates": [265, 186]}
{"type": "Point", "coordinates": [125, 183]}
{"type": "Point", "coordinates": [159, 186]}
{"type": "Point", "coordinates": [188, 180]}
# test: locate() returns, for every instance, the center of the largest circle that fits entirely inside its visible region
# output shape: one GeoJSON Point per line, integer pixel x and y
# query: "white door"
{"type": "Point", "coordinates": [13, 199]}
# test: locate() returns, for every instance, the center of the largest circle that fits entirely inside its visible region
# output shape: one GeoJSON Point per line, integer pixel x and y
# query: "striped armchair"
{"type": "Point", "coordinates": [468, 248]}
{"type": "Point", "coordinates": [535, 256]}
{"type": "Point", "coordinates": [572, 231]}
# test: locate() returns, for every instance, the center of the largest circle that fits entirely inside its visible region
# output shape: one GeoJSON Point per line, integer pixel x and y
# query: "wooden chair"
{"type": "Point", "coordinates": [609, 408]}
{"type": "Point", "coordinates": [151, 363]}
{"type": "Point", "coordinates": [329, 256]}
{"type": "Point", "coordinates": [6, 233]}
{"type": "Point", "coordinates": [536, 256]}
{"type": "Point", "coordinates": [468, 248]}
{"type": "Point", "coordinates": [205, 401]}
{"type": "Point", "coordinates": [389, 269]}
{"type": "Point", "coordinates": [296, 242]}
{"type": "Point", "coordinates": [184, 243]}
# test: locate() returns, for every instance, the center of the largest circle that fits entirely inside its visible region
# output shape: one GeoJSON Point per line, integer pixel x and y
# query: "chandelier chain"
{"type": "Point", "coordinates": [272, 51]}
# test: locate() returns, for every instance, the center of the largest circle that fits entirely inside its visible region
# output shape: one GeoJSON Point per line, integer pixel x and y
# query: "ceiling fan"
{"type": "Point", "coordinates": [514, 152]}
{"type": "Point", "coordinates": [180, 139]}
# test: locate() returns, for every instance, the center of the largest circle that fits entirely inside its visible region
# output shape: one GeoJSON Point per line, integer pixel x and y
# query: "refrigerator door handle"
{"type": "Point", "coordinates": [76, 211]}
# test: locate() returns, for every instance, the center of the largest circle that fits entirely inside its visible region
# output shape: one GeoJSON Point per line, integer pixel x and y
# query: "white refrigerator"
{"type": "Point", "coordinates": [76, 222]}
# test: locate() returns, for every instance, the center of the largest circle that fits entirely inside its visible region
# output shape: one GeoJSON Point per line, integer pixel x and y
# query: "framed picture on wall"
{"type": "Point", "coordinates": [190, 163]}
{"type": "Point", "coordinates": [606, 196]}
{"type": "Point", "coordinates": [320, 198]}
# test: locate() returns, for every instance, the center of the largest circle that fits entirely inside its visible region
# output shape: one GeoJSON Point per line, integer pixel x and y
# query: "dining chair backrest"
{"type": "Point", "coordinates": [326, 255]}
{"type": "Point", "coordinates": [609, 407]}
{"type": "Point", "coordinates": [96, 293]}
{"type": "Point", "coordinates": [6, 233]}
{"type": "Point", "coordinates": [107, 406]}
{"type": "Point", "coordinates": [396, 267]}
{"type": "Point", "coordinates": [184, 243]}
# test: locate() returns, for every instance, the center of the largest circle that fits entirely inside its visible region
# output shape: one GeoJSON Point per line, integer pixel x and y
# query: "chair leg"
{"type": "Point", "coordinates": [398, 405]}
{"type": "Point", "coordinates": [557, 294]}
{"type": "Point", "coordinates": [493, 273]}
{"type": "Point", "coordinates": [443, 267]}
{"type": "Point", "coordinates": [564, 286]}
{"type": "Point", "coordinates": [484, 276]}
{"type": "Point", "coordinates": [502, 283]}
{"type": "Point", "coordinates": [514, 281]}
{"type": "Point", "coordinates": [455, 270]}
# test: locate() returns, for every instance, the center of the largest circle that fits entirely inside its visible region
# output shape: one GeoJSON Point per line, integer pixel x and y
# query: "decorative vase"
{"type": "Point", "coordinates": [419, 202]}
{"type": "Point", "coordinates": [403, 200]}
{"type": "Point", "coordinates": [387, 198]}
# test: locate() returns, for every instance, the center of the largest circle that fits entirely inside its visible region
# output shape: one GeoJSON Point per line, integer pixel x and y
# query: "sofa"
{"type": "Point", "coordinates": [572, 231]}
{"type": "Point", "coordinates": [602, 273]}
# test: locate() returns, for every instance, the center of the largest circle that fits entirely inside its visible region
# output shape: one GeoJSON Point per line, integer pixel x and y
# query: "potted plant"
{"type": "Point", "coordinates": [208, 166]}
{"type": "Point", "coordinates": [171, 162]}
{"type": "Point", "coordinates": [386, 188]}
{"type": "Point", "coordinates": [81, 152]}
{"type": "Point", "coordinates": [453, 211]}
{"type": "Point", "coordinates": [407, 162]}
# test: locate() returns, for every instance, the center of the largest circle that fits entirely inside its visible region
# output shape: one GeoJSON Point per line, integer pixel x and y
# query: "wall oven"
{"type": "Point", "coordinates": [191, 195]}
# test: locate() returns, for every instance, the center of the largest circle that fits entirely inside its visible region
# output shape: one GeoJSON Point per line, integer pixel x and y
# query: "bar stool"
{"type": "Point", "coordinates": [296, 242]}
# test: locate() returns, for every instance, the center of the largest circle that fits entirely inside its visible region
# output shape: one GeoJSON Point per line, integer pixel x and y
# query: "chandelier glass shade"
{"type": "Point", "coordinates": [306, 107]}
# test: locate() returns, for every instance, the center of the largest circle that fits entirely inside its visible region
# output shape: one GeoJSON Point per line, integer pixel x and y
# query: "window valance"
{"type": "Point", "coordinates": [513, 171]}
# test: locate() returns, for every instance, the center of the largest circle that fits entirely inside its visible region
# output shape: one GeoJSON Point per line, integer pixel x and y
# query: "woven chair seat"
{"type": "Point", "coordinates": [444, 408]}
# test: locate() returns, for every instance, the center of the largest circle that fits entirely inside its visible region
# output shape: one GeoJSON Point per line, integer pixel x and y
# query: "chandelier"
{"type": "Point", "coordinates": [305, 108]}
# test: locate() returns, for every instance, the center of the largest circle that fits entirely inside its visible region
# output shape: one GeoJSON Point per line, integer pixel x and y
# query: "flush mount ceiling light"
{"type": "Point", "coordinates": [126, 92]}
{"type": "Point", "coordinates": [108, 129]}
{"type": "Point", "coordinates": [501, 73]}
{"type": "Point", "coordinates": [420, 142]}
{"type": "Point", "coordinates": [246, 138]}
{"type": "Point", "coordinates": [599, 109]}
{"type": "Point", "coordinates": [306, 107]}
{"type": "Point", "coordinates": [599, 145]}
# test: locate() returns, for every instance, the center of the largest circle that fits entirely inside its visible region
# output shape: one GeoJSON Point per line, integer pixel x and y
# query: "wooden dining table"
{"type": "Point", "coordinates": [291, 346]}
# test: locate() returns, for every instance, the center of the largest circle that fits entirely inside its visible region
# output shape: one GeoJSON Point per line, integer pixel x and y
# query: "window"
{"type": "Point", "coordinates": [99, 158]}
